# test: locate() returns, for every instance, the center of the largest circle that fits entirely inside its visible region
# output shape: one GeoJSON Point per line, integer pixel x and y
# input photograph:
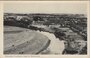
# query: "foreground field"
{"type": "Point", "coordinates": [23, 41]}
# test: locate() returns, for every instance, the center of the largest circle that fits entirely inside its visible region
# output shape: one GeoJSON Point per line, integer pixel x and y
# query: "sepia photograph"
{"type": "Point", "coordinates": [45, 28]}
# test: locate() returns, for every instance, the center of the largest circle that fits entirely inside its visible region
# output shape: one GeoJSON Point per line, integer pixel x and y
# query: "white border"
{"type": "Point", "coordinates": [40, 56]}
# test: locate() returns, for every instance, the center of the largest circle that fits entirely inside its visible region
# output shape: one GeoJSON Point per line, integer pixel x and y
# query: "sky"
{"type": "Point", "coordinates": [69, 7]}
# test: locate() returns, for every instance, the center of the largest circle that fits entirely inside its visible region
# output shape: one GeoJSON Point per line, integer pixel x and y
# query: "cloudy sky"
{"type": "Point", "coordinates": [46, 7]}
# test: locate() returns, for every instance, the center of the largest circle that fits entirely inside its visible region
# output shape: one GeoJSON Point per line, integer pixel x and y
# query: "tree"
{"type": "Point", "coordinates": [25, 21]}
{"type": "Point", "coordinates": [59, 34]}
{"type": "Point", "coordinates": [37, 18]}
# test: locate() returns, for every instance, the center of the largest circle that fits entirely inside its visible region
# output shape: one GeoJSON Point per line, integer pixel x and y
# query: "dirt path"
{"type": "Point", "coordinates": [56, 46]}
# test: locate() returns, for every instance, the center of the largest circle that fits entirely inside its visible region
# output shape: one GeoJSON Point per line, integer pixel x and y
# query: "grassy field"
{"type": "Point", "coordinates": [23, 41]}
